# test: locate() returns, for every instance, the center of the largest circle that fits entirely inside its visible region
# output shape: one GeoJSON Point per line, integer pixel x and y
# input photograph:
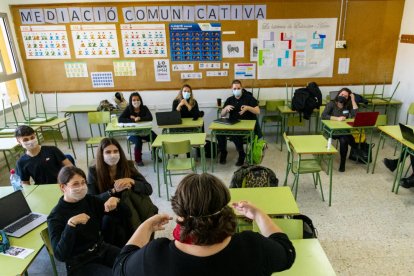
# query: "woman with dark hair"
{"type": "Point", "coordinates": [185, 103]}
{"type": "Point", "coordinates": [75, 227]}
{"type": "Point", "coordinates": [340, 109]}
{"type": "Point", "coordinates": [111, 176]}
{"type": "Point", "coordinates": [205, 242]}
{"type": "Point", "coordinates": [136, 112]}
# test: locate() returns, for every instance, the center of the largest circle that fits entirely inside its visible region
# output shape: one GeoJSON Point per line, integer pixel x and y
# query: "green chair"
{"type": "Point", "coordinates": [293, 228]}
{"type": "Point", "coordinates": [272, 116]}
{"type": "Point", "coordinates": [97, 118]}
{"type": "Point", "coordinates": [302, 166]}
{"type": "Point", "coordinates": [410, 111]}
{"type": "Point", "coordinates": [46, 240]}
{"type": "Point", "coordinates": [172, 162]}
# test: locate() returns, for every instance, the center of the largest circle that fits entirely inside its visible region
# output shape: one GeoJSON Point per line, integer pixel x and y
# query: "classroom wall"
{"type": "Point", "coordinates": [404, 65]}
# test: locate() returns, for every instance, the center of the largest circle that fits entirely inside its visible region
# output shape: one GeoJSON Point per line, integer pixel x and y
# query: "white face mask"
{"type": "Point", "coordinates": [136, 104]}
{"type": "Point", "coordinates": [111, 159]}
{"type": "Point", "coordinates": [78, 193]}
{"type": "Point", "coordinates": [186, 95]}
{"type": "Point", "coordinates": [29, 145]}
{"type": "Point", "coordinates": [237, 92]}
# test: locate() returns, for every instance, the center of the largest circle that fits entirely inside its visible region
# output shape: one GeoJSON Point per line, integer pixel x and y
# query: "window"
{"type": "Point", "coordinates": [11, 80]}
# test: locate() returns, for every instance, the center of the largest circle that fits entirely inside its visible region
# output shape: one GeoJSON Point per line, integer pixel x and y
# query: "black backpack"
{"type": "Point", "coordinates": [309, 231]}
{"type": "Point", "coordinates": [253, 176]}
{"type": "Point", "coordinates": [305, 100]}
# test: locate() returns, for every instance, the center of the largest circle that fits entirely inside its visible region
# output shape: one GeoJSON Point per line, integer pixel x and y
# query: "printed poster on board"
{"type": "Point", "coordinates": [296, 48]}
{"type": "Point", "coordinates": [144, 40]}
{"type": "Point", "coordinates": [162, 70]}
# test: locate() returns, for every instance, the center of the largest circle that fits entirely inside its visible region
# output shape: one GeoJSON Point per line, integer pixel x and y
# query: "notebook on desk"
{"type": "Point", "coordinates": [226, 121]}
{"type": "Point", "coordinates": [168, 118]}
{"type": "Point", "coordinates": [407, 133]}
{"type": "Point", "coordinates": [18, 219]}
{"type": "Point", "coordinates": [364, 119]}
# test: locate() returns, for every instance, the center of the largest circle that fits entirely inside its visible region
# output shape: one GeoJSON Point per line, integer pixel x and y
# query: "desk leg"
{"type": "Point", "coordinates": [7, 161]}
{"type": "Point", "coordinates": [400, 170]}
{"type": "Point", "coordinates": [158, 172]}
{"type": "Point", "coordinates": [330, 178]}
{"type": "Point", "coordinates": [283, 130]}
{"type": "Point", "coordinates": [381, 138]}
{"type": "Point", "coordinates": [76, 126]}
{"type": "Point", "coordinates": [70, 144]}
{"type": "Point", "coordinates": [213, 149]}
{"type": "Point", "coordinates": [154, 159]}
{"type": "Point", "coordinates": [369, 151]}
{"type": "Point", "coordinates": [203, 159]}
{"type": "Point", "coordinates": [251, 148]}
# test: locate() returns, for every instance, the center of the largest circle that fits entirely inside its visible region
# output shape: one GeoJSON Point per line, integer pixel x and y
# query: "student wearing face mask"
{"type": "Point", "coordinates": [185, 103]}
{"type": "Point", "coordinates": [339, 109]}
{"type": "Point", "coordinates": [136, 112]}
{"type": "Point", "coordinates": [75, 227]}
{"type": "Point", "coordinates": [41, 163]}
{"type": "Point", "coordinates": [243, 106]}
{"type": "Point", "coordinates": [114, 175]}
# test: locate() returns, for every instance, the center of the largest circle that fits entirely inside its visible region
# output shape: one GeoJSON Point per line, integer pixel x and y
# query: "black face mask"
{"type": "Point", "coordinates": [341, 99]}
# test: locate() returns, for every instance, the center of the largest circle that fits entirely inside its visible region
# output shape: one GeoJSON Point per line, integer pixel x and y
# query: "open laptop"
{"type": "Point", "coordinates": [407, 133]}
{"type": "Point", "coordinates": [168, 118]}
{"type": "Point", "coordinates": [226, 121]}
{"type": "Point", "coordinates": [364, 119]}
{"type": "Point", "coordinates": [18, 219]}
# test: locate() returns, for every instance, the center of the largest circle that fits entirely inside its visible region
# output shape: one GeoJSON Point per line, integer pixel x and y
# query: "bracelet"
{"type": "Point", "coordinates": [111, 192]}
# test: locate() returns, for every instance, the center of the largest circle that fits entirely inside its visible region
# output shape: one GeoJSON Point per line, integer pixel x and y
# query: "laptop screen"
{"type": "Point", "coordinates": [12, 208]}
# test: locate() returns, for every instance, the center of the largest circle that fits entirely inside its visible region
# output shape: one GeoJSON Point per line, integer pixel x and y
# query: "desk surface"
{"type": "Point", "coordinates": [27, 189]}
{"type": "Point", "coordinates": [272, 200]}
{"type": "Point", "coordinates": [111, 127]}
{"type": "Point", "coordinates": [311, 144]}
{"type": "Point", "coordinates": [337, 124]}
{"type": "Point", "coordinates": [9, 132]}
{"type": "Point", "coordinates": [186, 123]}
{"type": "Point", "coordinates": [41, 199]}
{"type": "Point", "coordinates": [384, 102]}
{"type": "Point", "coordinates": [80, 108]}
{"type": "Point", "coordinates": [196, 139]}
{"type": "Point", "coordinates": [285, 109]}
{"type": "Point", "coordinates": [8, 143]}
{"type": "Point", "coordinates": [242, 125]}
{"type": "Point", "coordinates": [310, 259]}
{"type": "Point", "coordinates": [395, 133]}
{"type": "Point", "coordinates": [51, 123]}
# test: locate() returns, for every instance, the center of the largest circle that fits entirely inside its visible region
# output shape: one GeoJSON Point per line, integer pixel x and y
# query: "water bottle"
{"type": "Point", "coordinates": [329, 144]}
{"type": "Point", "coordinates": [15, 180]}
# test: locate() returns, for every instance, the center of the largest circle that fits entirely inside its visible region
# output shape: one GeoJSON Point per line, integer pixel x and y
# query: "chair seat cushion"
{"type": "Point", "coordinates": [307, 166]}
{"type": "Point", "coordinates": [94, 140]}
{"type": "Point", "coordinates": [177, 164]}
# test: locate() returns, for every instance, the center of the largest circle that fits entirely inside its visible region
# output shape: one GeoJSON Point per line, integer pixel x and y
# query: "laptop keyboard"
{"type": "Point", "coordinates": [21, 223]}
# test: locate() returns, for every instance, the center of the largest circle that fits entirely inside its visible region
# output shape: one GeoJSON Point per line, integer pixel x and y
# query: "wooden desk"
{"type": "Point", "coordinates": [196, 140]}
{"type": "Point", "coordinates": [243, 128]}
{"type": "Point", "coordinates": [74, 109]}
{"type": "Point", "coordinates": [271, 200]}
{"type": "Point", "coordinates": [310, 260]}
{"type": "Point", "coordinates": [187, 125]}
{"type": "Point", "coordinates": [315, 144]}
{"type": "Point", "coordinates": [42, 199]}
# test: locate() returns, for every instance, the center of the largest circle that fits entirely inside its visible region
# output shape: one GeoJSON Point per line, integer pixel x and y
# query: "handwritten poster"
{"type": "Point", "coordinates": [144, 40]}
{"type": "Point", "coordinates": [76, 70]}
{"type": "Point", "coordinates": [45, 42]}
{"type": "Point", "coordinates": [162, 70]}
{"type": "Point", "coordinates": [296, 48]}
{"type": "Point", "coordinates": [102, 79]}
{"type": "Point", "coordinates": [95, 41]}
{"type": "Point", "coordinates": [124, 68]}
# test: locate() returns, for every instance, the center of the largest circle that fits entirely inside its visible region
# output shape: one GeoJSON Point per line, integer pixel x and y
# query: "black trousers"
{"type": "Point", "coordinates": [344, 142]}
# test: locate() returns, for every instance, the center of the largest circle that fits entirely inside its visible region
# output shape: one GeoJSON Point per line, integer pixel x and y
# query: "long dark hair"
{"type": "Point", "coordinates": [348, 103]}
{"type": "Point", "coordinates": [67, 173]}
{"type": "Point", "coordinates": [104, 180]}
{"type": "Point", "coordinates": [130, 106]}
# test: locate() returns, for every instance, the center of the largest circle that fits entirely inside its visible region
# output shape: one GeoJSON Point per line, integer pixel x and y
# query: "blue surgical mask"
{"type": "Point", "coordinates": [237, 92]}
{"type": "Point", "coordinates": [186, 95]}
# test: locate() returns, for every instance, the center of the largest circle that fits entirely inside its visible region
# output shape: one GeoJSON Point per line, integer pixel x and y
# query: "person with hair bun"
{"type": "Point", "coordinates": [205, 239]}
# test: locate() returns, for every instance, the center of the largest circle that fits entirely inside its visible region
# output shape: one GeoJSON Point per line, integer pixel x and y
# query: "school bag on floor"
{"type": "Point", "coordinates": [251, 176]}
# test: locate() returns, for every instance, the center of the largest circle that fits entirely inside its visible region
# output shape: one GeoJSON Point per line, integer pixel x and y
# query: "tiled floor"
{"type": "Point", "coordinates": [367, 231]}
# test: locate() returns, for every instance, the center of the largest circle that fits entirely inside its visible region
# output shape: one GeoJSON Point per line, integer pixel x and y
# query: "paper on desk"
{"type": "Point", "coordinates": [135, 124]}
{"type": "Point", "coordinates": [17, 252]}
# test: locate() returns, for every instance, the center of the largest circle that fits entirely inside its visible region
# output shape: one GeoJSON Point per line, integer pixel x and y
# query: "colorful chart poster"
{"type": "Point", "coordinates": [296, 48]}
{"type": "Point", "coordinates": [95, 41]}
{"type": "Point", "coordinates": [162, 70]}
{"type": "Point", "coordinates": [245, 70]}
{"type": "Point", "coordinates": [45, 42]}
{"type": "Point", "coordinates": [144, 40]}
{"type": "Point", "coordinates": [124, 68]}
{"type": "Point", "coordinates": [76, 69]}
{"type": "Point", "coordinates": [196, 42]}
{"type": "Point", "coordinates": [102, 79]}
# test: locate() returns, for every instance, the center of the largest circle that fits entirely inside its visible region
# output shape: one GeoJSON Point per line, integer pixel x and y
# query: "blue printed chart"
{"type": "Point", "coordinates": [195, 42]}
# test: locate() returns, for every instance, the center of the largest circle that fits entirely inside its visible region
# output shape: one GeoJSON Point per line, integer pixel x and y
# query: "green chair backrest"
{"type": "Point", "coordinates": [321, 109]}
{"type": "Point", "coordinates": [410, 111]}
{"type": "Point", "coordinates": [295, 121]}
{"type": "Point", "coordinates": [46, 240]}
{"type": "Point", "coordinates": [272, 105]}
{"type": "Point", "coordinates": [293, 228]}
{"type": "Point", "coordinates": [99, 117]}
{"type": "Point", "coordinates": [180, 147]}
{"type": "Point", "coordinates": [382, 120]}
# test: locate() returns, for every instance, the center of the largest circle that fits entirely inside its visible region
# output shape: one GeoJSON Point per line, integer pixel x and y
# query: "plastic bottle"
{"type": "Point", "coordinates": [329, 144]}
{"type": "Point", "coordinates": [15, 180]}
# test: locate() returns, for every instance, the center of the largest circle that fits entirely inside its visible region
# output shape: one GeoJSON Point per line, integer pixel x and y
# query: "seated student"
{"type": "Point", "coordinates": [391, 164]}
{"type": "Point", "coordinates": [75, 226]}
{"type": "Point", "coordinates": [120, 101]}
{"type": "Point", "coordinates": [205, 239]}
{"type": "Point", "coordinates": [185, 103]}
{"type": "Point", "coordinates": [243, 106]}
{"type": "Point", "coordinates": [41, 163]}
{"type": "Point", "coordinates": [135, 112]}
{"type": "Point", "coordinates": [113, 175]}
{"type": "Point", "coordinates": [339, 109]}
